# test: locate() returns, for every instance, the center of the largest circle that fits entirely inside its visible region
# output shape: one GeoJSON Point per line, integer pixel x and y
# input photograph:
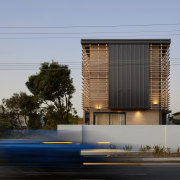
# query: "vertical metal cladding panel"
{"type": "Point", "coordinates": [128, 76]}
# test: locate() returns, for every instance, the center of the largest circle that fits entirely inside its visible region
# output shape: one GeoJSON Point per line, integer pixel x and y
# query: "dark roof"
{"type": "Point", "coordinates": [121, 41]}
{"type": "Point", "coordinates": [177, 113]}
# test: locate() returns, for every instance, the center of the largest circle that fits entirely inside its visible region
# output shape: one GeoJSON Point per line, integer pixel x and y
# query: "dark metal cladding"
{"type": "Point", "coordinates": [129, 76]}
{"type": "Point", "coordinates": [125, 41]}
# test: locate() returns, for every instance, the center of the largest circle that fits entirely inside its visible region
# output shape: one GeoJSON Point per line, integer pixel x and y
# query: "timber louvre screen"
{"type": "Point", "coordinates": [159, 76]}
{"type": "Point", "coordinates": [129, 76]}
{"type": "Point", "coordinates": [95, 76]}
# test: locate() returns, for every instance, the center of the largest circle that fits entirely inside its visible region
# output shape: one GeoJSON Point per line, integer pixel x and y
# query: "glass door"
{"type": "Point", "coordinates": [109, 118]}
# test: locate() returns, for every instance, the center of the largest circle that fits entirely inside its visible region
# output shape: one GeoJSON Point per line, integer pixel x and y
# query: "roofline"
{"type": "Point", "coordinates": [176, 113]}
{"type": "Point", "coordinates": [125, 41]}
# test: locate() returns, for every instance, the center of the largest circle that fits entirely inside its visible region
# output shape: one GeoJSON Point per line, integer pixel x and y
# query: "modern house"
{"type": "Point", "coordinates": [125, 81]}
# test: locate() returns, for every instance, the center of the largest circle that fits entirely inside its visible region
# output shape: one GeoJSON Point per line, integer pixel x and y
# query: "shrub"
{"type": "Point", "coordinates": [176, 121]}
{"type": "Point", "coordinates": [148, 147]}
{"type": "Point", "coordinates": [168, 150]}
{"type": "Point", "coordinates": [127, 147]}
{"type": "Point", "coordinates": [159, 149]}
{"type": "Point", "coordinates": [142, 148]}
{"type": "Point", "coordinates": [178, 150]}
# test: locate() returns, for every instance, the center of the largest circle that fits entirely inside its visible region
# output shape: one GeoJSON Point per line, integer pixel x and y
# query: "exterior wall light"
{"type": "Point", "coordinates": [155, 102]}
{"type": "Point", "coordinates": [98, 107]}
{"type": "Point", "coordinates": [138, 114]}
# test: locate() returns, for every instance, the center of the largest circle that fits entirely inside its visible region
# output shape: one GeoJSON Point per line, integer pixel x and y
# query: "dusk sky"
{"type": "Point", "coordinates": [37, 31]}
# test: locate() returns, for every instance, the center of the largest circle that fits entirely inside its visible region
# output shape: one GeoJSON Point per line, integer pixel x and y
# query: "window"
{"type": "Point", "coordinates": [111, 118]}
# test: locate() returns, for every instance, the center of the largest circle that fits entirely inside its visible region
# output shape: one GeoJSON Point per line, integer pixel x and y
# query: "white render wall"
{"type": "Point", "coordinates": [70, 133]}
{"type": "Point", "coordinates": [135, 135]}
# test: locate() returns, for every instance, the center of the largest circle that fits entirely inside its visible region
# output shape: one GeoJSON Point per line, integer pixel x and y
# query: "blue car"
{"type": "Point", "coordinates": [49, 154]}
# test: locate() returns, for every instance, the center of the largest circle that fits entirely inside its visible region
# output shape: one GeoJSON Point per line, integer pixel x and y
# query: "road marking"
{"type": "Point", "coordinates": [57, 142]}
{"type": "Point", "coordinates": [128, 164]}
{"type": "Point", "coordinates": [103, 142]}
{"type": "Point", "coordinates": [97, 164]}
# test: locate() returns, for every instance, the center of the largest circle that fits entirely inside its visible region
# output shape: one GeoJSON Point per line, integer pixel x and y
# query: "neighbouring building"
{"type": "Point", "coordinates": [125, 81]}
{"type": "Point", "coordinates": [176, 115]}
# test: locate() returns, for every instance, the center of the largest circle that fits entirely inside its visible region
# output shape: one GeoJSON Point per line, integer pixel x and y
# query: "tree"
{"type": "Point", "coordinates": [4, 122]}
{"type": "Point", "coordinates": [29, 109]}
{"type": "Point", "coordinates": [21, 110]}
{"type": "Point", "coordinates": [53, 86]}
{"type": "Point", "coordinates": [12, 111]}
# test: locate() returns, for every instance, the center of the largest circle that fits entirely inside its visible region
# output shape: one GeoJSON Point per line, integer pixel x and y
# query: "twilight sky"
{"type": "Point", "coordinates": [35, 31]}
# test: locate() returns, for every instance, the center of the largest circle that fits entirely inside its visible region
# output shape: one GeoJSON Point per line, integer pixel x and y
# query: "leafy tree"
{"type": "Point", "coordinates": [35, 121]}
{"type": "Point", "coordinates": [21, 110]}
{"type": "Point", "coordinates": [73, 119]}
{"type": "Point", "coordinates": [53, 86]}
{"type": "Point", "coordinates": [12, 111]}
{"type": "Point", "coordinates": [50, 104]}
{"type": "Point", "coordinates": [29, 109]}
{"type": "Point", "coordinates": [4, 123]}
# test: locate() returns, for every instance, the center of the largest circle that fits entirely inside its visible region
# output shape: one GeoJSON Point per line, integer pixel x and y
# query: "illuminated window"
{"type": "Point", "coordinates": [101, 118]}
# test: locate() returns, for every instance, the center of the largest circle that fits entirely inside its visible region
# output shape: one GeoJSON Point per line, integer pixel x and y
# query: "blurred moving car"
{"type": "Point", "coordinates": [49, 154]}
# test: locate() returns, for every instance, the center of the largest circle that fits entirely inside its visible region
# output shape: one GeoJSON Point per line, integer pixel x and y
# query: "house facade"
{"type": "Point", "coordinates": [125, 81]}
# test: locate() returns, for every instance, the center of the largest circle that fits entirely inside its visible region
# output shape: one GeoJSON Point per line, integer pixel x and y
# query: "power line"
{"type": "Point", "coordinates": [64, 61]}
{"type": "Point", "coordinates": [75, 37]}
{"type": "Point", "coordinates": [37, 33]}
{"type": "Point", "coordinates": [87, 26]}
{"type": "Point", "coordinates": [35, 63]}
{"type": "Point", "coordinates": [53, 69]}
{"type": "Point", "coordinates": [41, 38]}
{"type": "Point", "coordinates": [25, 67]}
{"type": "Point", "coordinates": [69, 62]}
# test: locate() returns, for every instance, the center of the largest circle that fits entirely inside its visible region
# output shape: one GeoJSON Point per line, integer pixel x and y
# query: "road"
{"type": "Point", "coordinates": [127, 172]}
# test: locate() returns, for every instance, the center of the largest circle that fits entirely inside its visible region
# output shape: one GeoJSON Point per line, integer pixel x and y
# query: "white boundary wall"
{"type": "Point", "coordinates": [135, 135]}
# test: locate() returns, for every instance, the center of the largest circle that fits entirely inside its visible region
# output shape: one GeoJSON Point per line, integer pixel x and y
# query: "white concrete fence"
{"type": "Point", "coordinates": [135, 135]}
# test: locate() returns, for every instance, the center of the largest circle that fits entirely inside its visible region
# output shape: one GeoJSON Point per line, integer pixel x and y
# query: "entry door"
{"type": "Point", "coordinates": [117, 119]}
{"type": "Point", "coordinates": [109, 118]}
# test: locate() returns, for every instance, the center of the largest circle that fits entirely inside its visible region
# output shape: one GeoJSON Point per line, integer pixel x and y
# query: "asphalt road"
{"type": "Point", "coordinates": [145, 172]}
